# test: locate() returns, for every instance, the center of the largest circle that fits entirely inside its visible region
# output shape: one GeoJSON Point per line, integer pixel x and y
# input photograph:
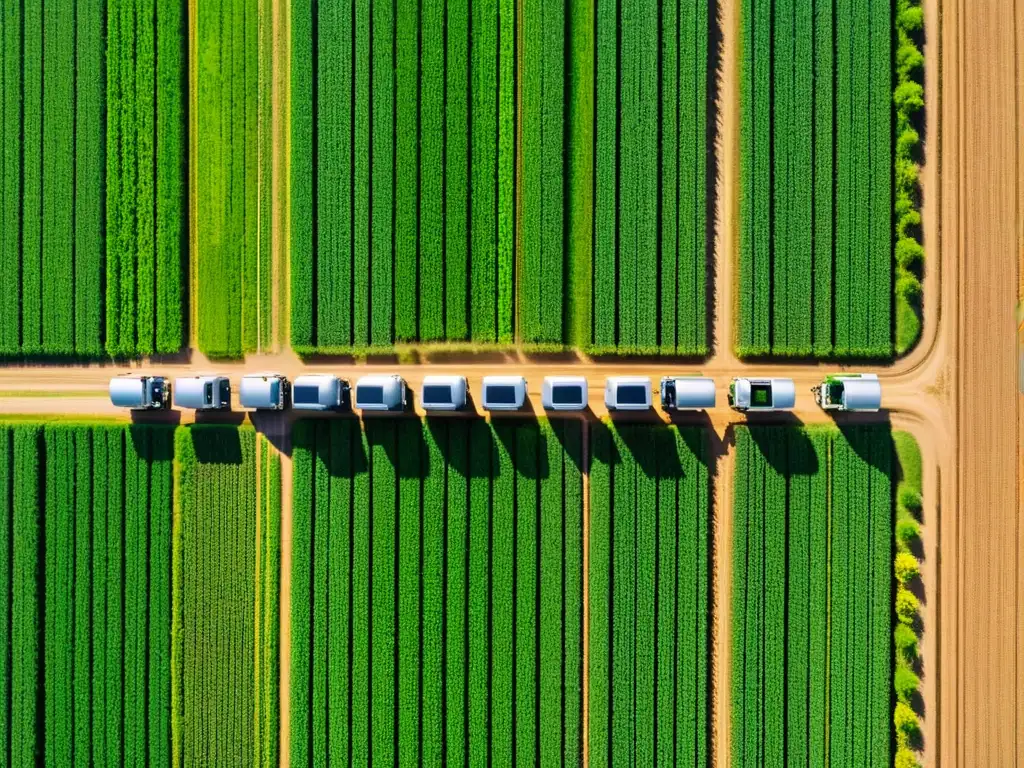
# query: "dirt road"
{"type": "Point", "coordinates": [982, 681]}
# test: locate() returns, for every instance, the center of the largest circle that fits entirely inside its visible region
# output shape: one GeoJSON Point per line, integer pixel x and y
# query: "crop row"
{"type": "Point", "coordinates": [811, 668]}
{"type": "Point", "coordinates": [815, 267]}
{"type": "Point", "coordinates": [437, 593]}
{"type": "Point", "coordinates": [93, 195]}
{"type": "Point", "coordinates": [650, 599]}
{"type": "Point", "coordinates": [234, 266]}
{"type": "Point", "coordinates": [909, 101]}
{"type": "Point", "coordinates": [85, 585]}
{"type": "Point", "coordinates": [224, 665]}
{"type": "Point", "coordinates": [428, 205]}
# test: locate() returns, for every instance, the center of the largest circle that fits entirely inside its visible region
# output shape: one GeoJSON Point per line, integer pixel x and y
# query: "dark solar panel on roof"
{"type": "Point", "coordinates": [501, 394]}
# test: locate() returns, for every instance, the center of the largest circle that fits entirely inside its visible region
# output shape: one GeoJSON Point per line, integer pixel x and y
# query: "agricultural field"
{"type": "Point", "coordinates": [85, 588]}
{"type": "Point", "coordinates": [437, 592]}
{"type": "Point", "coordinates": [812, 583]}
{"type": "Point", "coordinates": [650, 604]}
{"type": "Point", "coordinates": [649, 201]}
{"type": "Point", "coordinates": [226, 579]}
{"type": "Point", "coordinates": [232, 149]}
{"type": "Point", "coordinates": [396, 235]}
{"type": "Point", "coordinates": [816, 179]}
{"type": "Point", "coordinates": [432, 201]}
{"type": "Point", "coordinates": [93, 194]}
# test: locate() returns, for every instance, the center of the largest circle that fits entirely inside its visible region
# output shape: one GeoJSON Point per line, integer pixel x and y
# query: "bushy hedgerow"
{"type": "Point", "coordinates": [905, 682]}
{"type": "Point", "coordinates": [910, 499]}
{"type": "Point", "coordinates": [909, 100]}
{"type": "Point", "coordinates": [908, 532]}
{"type": "Point", "coordinates": [907, 568]}
{"type": "Point", "coordinates": [905, 758]}
{"type": "Point", "coordinates": [906, 642]}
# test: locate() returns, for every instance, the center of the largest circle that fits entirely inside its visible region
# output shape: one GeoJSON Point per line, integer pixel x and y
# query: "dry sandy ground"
{"type": "Point", "coordinates": [982, 681]}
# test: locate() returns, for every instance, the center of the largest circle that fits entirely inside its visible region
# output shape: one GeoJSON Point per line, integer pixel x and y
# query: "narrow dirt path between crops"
{"type": "Point", "coordinates": [586, 592]}
{"type": "Point", "coordinates": [281, 437]}
{"type": "Point", "coordinates": [193, 176]}
{"type": "Point", "coordinates": [723, 461]}
{"type": "Point", "coordinates": [280, 109]}
{"type": "Point", "coordinates": [727, 151]}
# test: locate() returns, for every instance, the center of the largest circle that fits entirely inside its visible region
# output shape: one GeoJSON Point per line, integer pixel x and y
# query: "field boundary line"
{"type": "Point", "coordinates": [586, 592]}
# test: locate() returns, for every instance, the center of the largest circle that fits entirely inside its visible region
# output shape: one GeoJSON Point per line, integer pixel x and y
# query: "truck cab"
{"type": "Point", "coordinates": [203, 393]}
{"type": "Point", "coordinates": [140, 393]}
{"type": "Point", "coordinates": [687, 393]}
{"type": "Point", "coordinates": [762, 395]}
{"type": "Point", "coordinates": [849, 392]}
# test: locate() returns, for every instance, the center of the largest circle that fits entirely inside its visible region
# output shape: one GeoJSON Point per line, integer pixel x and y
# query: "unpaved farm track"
{"type": "Point", "coordinates": [956, 392]}
{"type": "Point", "coordinates": [982, 677]}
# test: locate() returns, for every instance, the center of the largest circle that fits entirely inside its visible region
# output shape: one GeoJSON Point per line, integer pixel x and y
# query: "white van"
{"type": "Point", "coordinates": [203, 393]}
{"type": "Point", "coordinates": [503, 393]}
{"type": "Point", "coordinates": [140, 393]}
{"type": "Point", "coordinates": [263, 391]}
{"type": "Point", "coordinates": [319, 392]}
{"type": "Point", "coordinates": [381, 392]}
{"type": "Point", "coordinates": [443, 393]}
{"type": "Point", "coordinates": [627, 393]}
{"type": "Point", "coordinates": [564, 393]}
{"type": "Point", "coordinates": [687, 393]}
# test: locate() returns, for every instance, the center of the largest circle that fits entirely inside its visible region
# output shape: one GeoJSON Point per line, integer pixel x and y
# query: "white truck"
{"type": "Point", "coordinates": [762, 395]}
{"type": "Point", "coordinates": [203, 393]}
{"type": "Point", "coordinates": [263, 391]}
{"type": "Point", "coordinates": [381, 392]}
{"type": "Point", "coordinates": [627, 393]}
{"type": "Point", "coordinates": [320, 392]}
{"type": "Point", "coordinates": [687, 393]}
{"type": "Point", "coordinates": [849, 392]}
{"type": "Point", "coordinates": [564, 393]}
{"type": "Point", "coordinates": [443, 393]}
{"type": "Point", "coordinates": [503, 393]}
{"type": "Point", "coordinates": [140, 393]}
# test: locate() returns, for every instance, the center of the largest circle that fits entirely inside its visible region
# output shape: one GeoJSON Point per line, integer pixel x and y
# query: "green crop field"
{"type": "Point", "coordinates": [226, 561]}
{"type": "Point", "coordinates": [650, 604]}
{"type": "Point", "coordinates": [85, 588]}
{"type": "Point", "coordinates": [816, 178]}
{"type": "Point", "coordinates": [812, 608]}
{"type": "Point", "coordinates": [437, 593]}
{"type": "Point", "coordinates": [442, 152]}
{"type": "Point", "coordinates": [396, 236]}
{"type": "Point", "coordinates": [233, 156]}
{"type": "Point", "coordinates": [650, 196]}
{"type": "Point", "coordinates": [93, 198]}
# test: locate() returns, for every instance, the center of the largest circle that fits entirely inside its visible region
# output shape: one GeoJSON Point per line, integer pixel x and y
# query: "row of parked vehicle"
{"type": "Point", "coordinates": [388, 392]}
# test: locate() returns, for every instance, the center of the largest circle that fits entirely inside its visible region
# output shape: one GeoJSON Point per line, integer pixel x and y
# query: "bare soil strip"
{"type": "Point", "coordinates": [723, 463]}
{"type": "Point", "coordinates": [980, 171]}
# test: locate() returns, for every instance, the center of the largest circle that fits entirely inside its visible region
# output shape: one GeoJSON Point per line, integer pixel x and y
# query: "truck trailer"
{"type": "Point", "coordinates": [687, 393]}
{"type": "Point", "coordinates": [762, 395]}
